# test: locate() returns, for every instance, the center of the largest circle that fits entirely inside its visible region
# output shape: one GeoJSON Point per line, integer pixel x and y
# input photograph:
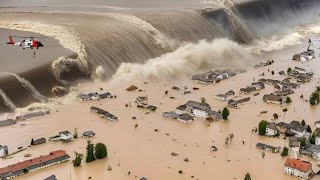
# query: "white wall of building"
{"type": "Point", "coordinates": [295, 172]}
{"type": "Point", "coordinates": [199, 113]}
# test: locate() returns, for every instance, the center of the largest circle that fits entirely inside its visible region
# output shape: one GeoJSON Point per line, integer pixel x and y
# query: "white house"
{"type": "Point", "coordinates": [317, 124]}
{"type": "Point", "coordinates": [317, 141]}
{"type": "Point", "coordinates": [300, 70]}
{"type": "Point", "coordinates": [272, 130]}
{"type": "Point", "coordinates": [221, 97]}
{"type": "Point", "coordinates": [294, 147]}
{"type": "Point", "coordinates": [65, 136]}
{"type": "Point", "coordinates": [223, 76]}
{"type": "Point", "coordinates": [3, 151]}
{"type": "Point", "coordinates": [299, 168]}
{"type": "Point", "coordinates": [200, 110]}
{"type": "Point", "coordinates": [300, 131]}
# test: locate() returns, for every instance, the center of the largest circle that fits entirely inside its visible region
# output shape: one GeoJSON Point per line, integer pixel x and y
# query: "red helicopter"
{"type": "Point", "coordinates": [29, 42]}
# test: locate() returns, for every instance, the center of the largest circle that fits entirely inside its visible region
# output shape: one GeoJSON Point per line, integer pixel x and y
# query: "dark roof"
{"type": "Point", "coordinates": [265, 146]}
{"type": "Point", "coordinates": [7, 122]}
{"type": "Point", "coordinates": [283, 125]}
{"type": "Point", "coordinates": [143, 178]}
{"type": "Point", "coordinates": [84, 96]}
{"type": "Point", "coordinates": [152, 108]}
{"type": "Point", "coordinates": [65, 132]}
{"type": "Point", "coordinates": [52, 177]}
{"type": "Point", "coordinates": [182, 107]}
{"type": "Point", "coordinates": [299, 69]}
{"type": "Point", "coordinates": [295, 123]}
{"type": "Point", "coordinates": [88, 133]}
{"type": "Point", "coordinates": [105, 95]}
{"type": "Point", "coordinates": [33, 114]}
{"type": "Point", "coordinates": [230, 92]}
{"type": "Point", "coordinates": [38, 161]}
{"type": "Point", "coordinates": [271, 97]}
{"type": "Point", "coordinates": [248, 89]}
{"type": "Point", "coordinates": [185, 117]}
{"type": "Point", "coordinates": [197, 105]}
{"type": "Point", "coordinates": [289, 133]}
{"type": "Point", "coordinates": [272, 126]}
{"type": "Point", "coordinates": [222, 95]}
{"type": "Point", "coordinates": [243, 100]}
{"type": "Point", "coordinates": [39, 141]}
{"type": "Point", "coordinates": [171, 115]}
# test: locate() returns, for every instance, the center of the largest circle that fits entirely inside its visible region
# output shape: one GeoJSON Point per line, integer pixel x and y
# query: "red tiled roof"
{"type": "Point", "coordinates": [34, 161]}
{"type": "Point", "coordinates": [298, 164]}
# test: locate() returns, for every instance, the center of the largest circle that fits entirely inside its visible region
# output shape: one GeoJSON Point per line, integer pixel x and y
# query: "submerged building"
{"type": "Point", "coordinates": [31, 165]}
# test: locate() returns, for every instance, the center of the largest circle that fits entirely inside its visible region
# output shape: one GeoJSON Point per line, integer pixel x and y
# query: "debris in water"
{"type": "Point", "coordinates": [132, 88]}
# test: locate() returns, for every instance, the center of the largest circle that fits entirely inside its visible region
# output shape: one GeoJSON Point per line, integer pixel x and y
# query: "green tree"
{"type": "Point", "coordinates": [75, 135]}
{"type": "Point", "coordinates": [262, 127]}
{"type": "Point", "coordinates": [100, 151]}
{"type": "Point", "coordinates": [303, 142]}
{"type": "Point", "coordinates": [314, 98]}
{"type": "Point", "coordinates": [247, 177]}
{"type": "Point", "coordinates": [77, 161]}
{"type": "Point", "coordinates": [289, 70]}
{"type": "Point", "coordinates": [90, 149]}
{"type": "Point", "coordinates": [225, 113]}
{"type": "Point", "coordinates": [285, 151]}
{"type": "Point", "coordinates": [312, 140]}
{"type": "Point", "coordinates": [288, 99]}
{"type": "Point", "coordinates": [309, 130]}
{"type": "Point", "coordinates": [303, 123]}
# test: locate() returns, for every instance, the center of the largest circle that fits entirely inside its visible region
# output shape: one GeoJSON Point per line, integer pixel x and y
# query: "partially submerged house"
{"type": "Point", "coordinates": [65, 136]}
{"type": "Point", "coordinates": [213, 77]}
{"type": "Point", "coordinates": [222, 97]}
{"type": "Point", "coordinates": [4, 151]}
{"type": "Point", "coordinates": [274, 99]}
{"type": "Point", "coordinates": [234, 103]}
{"type": "Point", "coordinates": [103, 113]}
{"type": "Point", "coordinates": [311, 150]}
{"type": "Point", "coordinates": [267, 147]}
{"type": "Point", "coordinates": [182, 109]}
{"type": "Point", "coordinates": [94, 96]}
{"type": "Point", "coordinates": [88, 134]}
{"type": "Point", "coordinates": [52, 177]}
{"type": "Point", "coordinates": [305, 55]}
{"type": "Point", "coordinates": [272, 130]}
{"type": "Point", "coordinates": [299, 168]}
{"type": "Point", "coordinates": [185, 118]}
{"type": "Point", "coordinates": [180, 117]}
{"type": "Point", "coordinates": [32, 115]}
{"type": "Point", "coordinates": [230, 93]}
{"type": "Point", "coordinates": [198, 109]}
{"type": "Point", "coordinates": [142, 102]}
{"type": "Point", "coordinates": [7, 122]}
{"type": "Point", "coordinates": [300, 70]}
{"type": "Point", "coordinates": [293, 129]}
{"type": "Point", "coordinates": [35, 164]}
{"type": "Point", "coordinates": [38, 141]}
